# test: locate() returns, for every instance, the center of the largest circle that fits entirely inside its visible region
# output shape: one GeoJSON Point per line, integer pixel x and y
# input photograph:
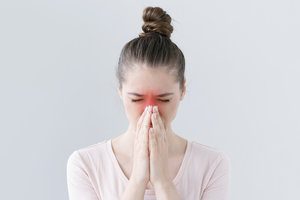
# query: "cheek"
{"type": "Point", "coordinates": [132, 112]}
{"type": "Point", "coordinates": [168, 112]}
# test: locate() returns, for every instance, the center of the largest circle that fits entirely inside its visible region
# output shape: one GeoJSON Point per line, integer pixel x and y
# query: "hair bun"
{"type": "Point", "coordinates": [156, 20]}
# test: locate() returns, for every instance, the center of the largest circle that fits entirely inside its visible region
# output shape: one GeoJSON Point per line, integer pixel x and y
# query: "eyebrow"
{"type": "Point", "coordinates": [160, 95]}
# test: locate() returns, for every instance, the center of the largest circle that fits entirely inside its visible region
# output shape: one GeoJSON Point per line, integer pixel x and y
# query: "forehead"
{"type": "Point", "coordinates": [147, 79]}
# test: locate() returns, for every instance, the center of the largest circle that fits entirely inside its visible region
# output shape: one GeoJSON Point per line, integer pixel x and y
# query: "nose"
{"type": "Point", "coordinates": [150, 101]}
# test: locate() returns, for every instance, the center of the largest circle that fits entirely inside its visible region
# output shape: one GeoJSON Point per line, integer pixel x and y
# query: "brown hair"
{"type": "Point", "coordinates": [153, 47]}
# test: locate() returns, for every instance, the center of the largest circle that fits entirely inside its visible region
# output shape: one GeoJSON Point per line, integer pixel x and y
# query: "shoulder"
{"type": "Point", "coordinates": [209, 157]}
{"type": "Point", "coordinates": [85, 155]}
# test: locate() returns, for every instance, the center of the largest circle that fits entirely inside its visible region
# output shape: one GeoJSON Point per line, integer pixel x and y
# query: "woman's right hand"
{"type": "Point", "coordinates": [141, 170]}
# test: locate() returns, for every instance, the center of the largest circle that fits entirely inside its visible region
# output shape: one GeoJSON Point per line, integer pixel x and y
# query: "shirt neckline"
{"type": "Point", "coordinates": [150, 191]}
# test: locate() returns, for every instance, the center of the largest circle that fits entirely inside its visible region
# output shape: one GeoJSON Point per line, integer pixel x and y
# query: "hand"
{"type": "Point", "coordinates": [158, 147]}
{"type": "Point", "coordinates": [140, 170]}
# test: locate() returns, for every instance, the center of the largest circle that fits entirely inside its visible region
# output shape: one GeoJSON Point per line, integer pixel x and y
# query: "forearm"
{"type": "Point", "coordinates": [166, 191]}
{"type": "Point", "coordinates": [134, 191]}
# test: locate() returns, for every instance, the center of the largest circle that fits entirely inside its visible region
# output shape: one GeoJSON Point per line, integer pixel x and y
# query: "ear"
{"type": "Point", "coordinates": [183, 90]}
{"type": "Point", "coordinates": [120, 92]}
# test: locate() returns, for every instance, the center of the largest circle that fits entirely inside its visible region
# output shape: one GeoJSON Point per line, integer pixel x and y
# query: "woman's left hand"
{"type": "Point", "coordinates": [158, 147]}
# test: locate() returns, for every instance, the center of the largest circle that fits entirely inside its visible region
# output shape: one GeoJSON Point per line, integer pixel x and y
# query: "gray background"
{"type": "Point", "coordinates": [58, 88]}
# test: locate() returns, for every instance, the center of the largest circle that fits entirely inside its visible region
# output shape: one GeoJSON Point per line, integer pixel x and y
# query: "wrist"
{"type": "Point", "coordinates": [162, 185]}
{"type": "Point", "coordinates": [134, 190]}
{"type": "Point", "coordinates": [138, 183]}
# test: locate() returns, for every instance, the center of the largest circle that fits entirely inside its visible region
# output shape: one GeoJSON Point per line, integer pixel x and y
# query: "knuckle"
{"type": "Point", "coordinates": [145, 126]}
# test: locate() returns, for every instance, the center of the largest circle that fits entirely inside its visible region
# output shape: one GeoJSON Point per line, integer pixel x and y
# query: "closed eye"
{"type": "Point", "coordinates": [162, 100]}
{"type": "Point", "coordinates": [166, 100]}
{"type": "Point", "coordinates": [135, 100]}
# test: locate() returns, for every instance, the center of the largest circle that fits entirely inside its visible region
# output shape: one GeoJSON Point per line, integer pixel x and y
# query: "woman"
{"type": "Point", "coordinates": [149, 160]}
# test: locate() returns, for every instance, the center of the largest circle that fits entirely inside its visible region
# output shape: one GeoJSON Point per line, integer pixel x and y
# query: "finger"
{"type": "Point", "coordinates": [155, 124]}
{"type": "Point", "coordinates": [159, 123]}
{"type": "Point", "coordinates": [145, 127]}
{"type": "Point", "coordinates": [157, 119]}
{"type": "Point", "coordinates": [146, 121]}
{"type": "Point", "coordinates": [139, 123]}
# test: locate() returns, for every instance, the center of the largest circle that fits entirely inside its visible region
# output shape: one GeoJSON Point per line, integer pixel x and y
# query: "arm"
{"type": "Point", "coordinates": [166, 191]}
{"type": "Point", "coordinates": [79, 185]}
{"type": "Point", "coordinates": [134, 190]}
{"type": "Point", "coordinates": [219, 183]}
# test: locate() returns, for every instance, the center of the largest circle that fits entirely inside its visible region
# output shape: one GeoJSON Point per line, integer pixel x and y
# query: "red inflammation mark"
{"type": "Point", "coordinates": [149, 100]}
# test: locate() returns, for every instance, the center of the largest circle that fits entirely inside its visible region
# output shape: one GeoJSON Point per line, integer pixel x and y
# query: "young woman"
{"type": "Point", "coordinates": [149, 160]}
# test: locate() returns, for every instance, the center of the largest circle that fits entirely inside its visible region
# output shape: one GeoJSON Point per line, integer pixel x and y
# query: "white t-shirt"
{"type": "Point", "coordinates": [93, 173]}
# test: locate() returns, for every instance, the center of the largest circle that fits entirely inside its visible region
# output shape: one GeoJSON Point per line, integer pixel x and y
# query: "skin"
{"type": "Point", "coordinates": [150, 152]}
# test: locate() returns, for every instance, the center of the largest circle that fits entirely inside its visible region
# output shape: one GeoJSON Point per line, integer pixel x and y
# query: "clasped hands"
{"type": "Point", "coordinates": [150, 160]}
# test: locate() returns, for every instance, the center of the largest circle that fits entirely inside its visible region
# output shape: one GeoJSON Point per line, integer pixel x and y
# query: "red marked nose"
{"type": "Point", "coordinates": [149, 100]}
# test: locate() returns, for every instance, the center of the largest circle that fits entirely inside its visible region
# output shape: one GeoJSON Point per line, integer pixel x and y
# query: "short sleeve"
{"type": "Point", "coordinates": [78, 181]}
{"type": "Point", "coordinates": [218, 187]}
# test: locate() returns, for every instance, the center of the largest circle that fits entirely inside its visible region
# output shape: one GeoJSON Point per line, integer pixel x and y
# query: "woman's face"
{"type": "Point", "coordinates": [147, 86]}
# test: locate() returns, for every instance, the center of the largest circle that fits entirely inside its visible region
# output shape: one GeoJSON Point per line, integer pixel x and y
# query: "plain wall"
{"type": "Point", "coordinates": [59, 91]}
